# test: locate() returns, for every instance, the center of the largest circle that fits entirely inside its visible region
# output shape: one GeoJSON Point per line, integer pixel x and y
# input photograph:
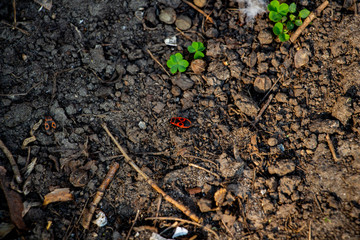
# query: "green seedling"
{"type": "Point", "coordinates": [284, 23]}
{"type": "Point", "coordinates": [197, 48]}
{"type": "Point", "coordinates": [177, 62]}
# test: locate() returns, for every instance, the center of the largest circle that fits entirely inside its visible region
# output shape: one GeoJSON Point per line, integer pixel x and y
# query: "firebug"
{"type": "Point", "coordinates": [180, 122]}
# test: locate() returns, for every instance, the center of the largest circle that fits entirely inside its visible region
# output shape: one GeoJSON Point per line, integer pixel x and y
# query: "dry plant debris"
{"type": "Point", "coordinates": [58, 195]}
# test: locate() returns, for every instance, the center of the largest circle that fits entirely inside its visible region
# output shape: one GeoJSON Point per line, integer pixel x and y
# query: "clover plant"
{"type": "Point", "coordinates": [176, 62]}
{"type": "Point", "coordinates": [197, 48]}
{"type": "Point", "coordinates": [278, 13]}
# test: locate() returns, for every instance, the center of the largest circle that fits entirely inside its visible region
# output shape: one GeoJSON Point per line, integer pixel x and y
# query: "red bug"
{"type": "Point", "coordinates": [180, 122]}
{"type": "Point", "coordinates": [49, 122]}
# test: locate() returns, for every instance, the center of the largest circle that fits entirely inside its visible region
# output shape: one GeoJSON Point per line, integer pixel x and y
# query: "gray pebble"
{"type": "Point", "coordinates": [183, 22]}
{"type": "Point", "coordinates": [168, 15]}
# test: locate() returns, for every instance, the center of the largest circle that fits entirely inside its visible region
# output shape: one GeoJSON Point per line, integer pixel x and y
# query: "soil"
{"type": "Point", "coordinates": [247, 175]}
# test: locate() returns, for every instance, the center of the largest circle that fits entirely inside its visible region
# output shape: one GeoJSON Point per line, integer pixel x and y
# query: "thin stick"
{"type": "Point", "coordinates": [22, 94]}
{"type": "Point", "coordinates": [132, 226]}
{"type": "Point", "coordinates": [15, 27]}
{"type": "Point", "coordinates": [152, 56]}
{"type": "Point", "coordinates": [180, 206]}
{"type": "Point", "coordinates": [99, 195]}
{"type": "Point", "coordinates": [207, 17]}
{"type": "Point", "coordinates": [12, 161]}
{"type": "Point", "coordinates": [309, 231]}
{"type": "Point", "coordinates": [332, 149]}
{"type": "Point", "coordinates": [184, 221]}
{"type": "Point", "coordinates": [14, 8]}
{"type": "Point", "coordinates": [263, 109]}
{"type": "Point", "coordinates": [307, 21]}
{"type": "Point", "coordinates": [196, 166]}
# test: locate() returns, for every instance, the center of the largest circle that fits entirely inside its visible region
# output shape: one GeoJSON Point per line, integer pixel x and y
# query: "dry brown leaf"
{"type": "Point", "coordinates": [219, 196]}
{"type": "Point", "coordinates": [14, 201]}
{"type": "Point", "coordinates": [58, 195]}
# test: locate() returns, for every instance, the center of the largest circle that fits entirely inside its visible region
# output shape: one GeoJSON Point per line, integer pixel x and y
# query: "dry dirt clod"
{"type": "Point", "coordinates": [200, 3]}
{"type": "Point", "coordinates": [198, 66]}
{"type": "Point", "coordinates": [168, 15]}
{"type": "Point", "coordinates": [183, 22]}
{"type": "Point", "coordinates": [262, 84]}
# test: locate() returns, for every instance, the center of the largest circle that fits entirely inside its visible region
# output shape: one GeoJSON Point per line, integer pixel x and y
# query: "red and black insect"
{"type": "Point", "coordinates": [49, 122]}
{"type": "Point", "coordinates": [180, 122]}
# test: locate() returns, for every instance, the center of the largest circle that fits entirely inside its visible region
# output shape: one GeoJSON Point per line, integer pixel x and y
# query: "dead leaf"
{"type": "Point", "coordinates": [14, 201]}
{"type": "Point", "coordinates": [58, 195]}
{"type": "Point", "coordinates": [79, 178]}
{"type": "Point", "coordinates": [219, 196]}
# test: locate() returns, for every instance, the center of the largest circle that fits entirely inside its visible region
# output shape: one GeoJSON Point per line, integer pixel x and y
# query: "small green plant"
{"type": "Point", "coordinates": [197, 48]}
{"type": "Point", "coordinates": [279, 13]}
{"type": "Point", "coordinates": [177, 62]}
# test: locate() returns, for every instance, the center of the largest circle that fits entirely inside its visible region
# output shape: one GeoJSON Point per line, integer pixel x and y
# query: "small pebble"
{"type": "Point", "coordinates": [272, 142]}
{"type": "Point", "coordinates": [262, 84]}
{"type": "Point", "coordinates": [200, 3]}
{"type": "Point", "coordinates": [142, 125]}
{"type": "Point", "coordinates": [301, 58]}
{"type": "Point", "coordinates": [183, 22]}
{"type": "Point", "coordinates": [168, 15]}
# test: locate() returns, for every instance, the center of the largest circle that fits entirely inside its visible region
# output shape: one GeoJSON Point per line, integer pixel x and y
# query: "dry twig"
{"type": "Point", "coordinates": [157, 61]}
{"type": "Point", "coordinates": [307, 21]}
{"type": "Point", "coordinates": [207, 17]}
{"type": "Point", "coordinates": [12, 161]}
{"type": "Point", "coordinates": [208, 171]}
{"type": "Point", "coordinates": [332, 149]}
{"type": "Point", "coordinates": [99, 195]}
{"type": "Point", "coordinates": [132, 226]}
{"type": "Point", "coordinates": [263, 109]}
{"type": "Point", "coordinates": [180, 206]}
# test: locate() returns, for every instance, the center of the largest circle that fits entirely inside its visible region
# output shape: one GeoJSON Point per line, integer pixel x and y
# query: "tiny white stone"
{"type": "Point", "coordinates": [171, 41]}
{"type": "Point", "coordinates": [142, 125]}
{"type": "Point", "coordinates": [101, 219]}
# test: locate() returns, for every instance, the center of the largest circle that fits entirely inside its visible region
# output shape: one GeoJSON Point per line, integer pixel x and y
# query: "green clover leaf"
{"type": "Point", "coordinates": [304, 13]}
{"type": "Point", "coordinates": [292, 8]}
{"type": "Point", "coordinates": [278, 28]}
{"type": "Point", "coordinates": [177, 63]}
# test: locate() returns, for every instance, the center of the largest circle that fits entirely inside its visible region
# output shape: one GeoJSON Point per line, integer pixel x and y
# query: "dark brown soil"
{"type": "Point", "coordinates": [271, 176]}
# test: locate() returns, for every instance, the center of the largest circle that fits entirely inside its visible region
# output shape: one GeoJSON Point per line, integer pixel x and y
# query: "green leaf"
{"type": "Point", "coordinates": [173, 69]}
{"type": "Point", "coordinates": [274, 16]}
{"type": "Point", "coordinates": [273, 6]}
{"type": "Point", "coordinates": [198, 55]}
{"type": "Point", "coordinates": [292, 8]}
{"type": "Point", "coordinates": [284, 37]}
{"type": "Point", "coordinates": [289, 26]}
{"type": "Point", "coordinates": [283, 19]}
{"type": "Point", "coordinates": [298, 22]}
{"type": "Point", "coordinates": [278, 28]}
{"type": "Point", "coordinates": [292, 17]}
{"type": "Point", "coordinates": [304, 13]}
{"type": "Point", "coordinates": [191, 49]}
{"type": "Point", "coordinates": [184, 63]}
{"type": "Point", "coordinates": [196, 46]}
{"type": "Point", "coordinates": [176, 62]}
{"type": "Point", "coordinates": [283, 9]}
